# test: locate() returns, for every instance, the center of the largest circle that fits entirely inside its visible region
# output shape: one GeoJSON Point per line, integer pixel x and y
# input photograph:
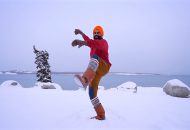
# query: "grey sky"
{"type": "Point", "coordinates": [144, 35]}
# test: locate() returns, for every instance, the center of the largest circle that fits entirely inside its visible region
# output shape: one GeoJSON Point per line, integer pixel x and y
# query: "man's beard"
{"type": "Point", "coordinates": [97, 37]}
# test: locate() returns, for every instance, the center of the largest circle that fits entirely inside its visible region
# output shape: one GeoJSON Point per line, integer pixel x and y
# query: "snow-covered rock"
{"type": "Point", "coordinates": [128, 86]}
{"type": "Point", "coordinates": [11, 83]}
{"type": "Point", "coordinates": [176, 88]}
{"type": "Point", "coordinates": [48, 85]}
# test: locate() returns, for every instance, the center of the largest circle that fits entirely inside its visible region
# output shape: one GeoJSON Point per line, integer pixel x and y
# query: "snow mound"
{"type": "Point", "coordinates": [11, 83]}
{"type": "Point", "coordinates": [128, 86]}
{"type": "Point", "coordinates": [48, 85]}
{"type": "Point", "coordinates": [176, 88]}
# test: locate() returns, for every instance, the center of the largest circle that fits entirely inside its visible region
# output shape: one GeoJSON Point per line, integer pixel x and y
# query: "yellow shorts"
{"type": "Point", "coordinates": [102, 70]}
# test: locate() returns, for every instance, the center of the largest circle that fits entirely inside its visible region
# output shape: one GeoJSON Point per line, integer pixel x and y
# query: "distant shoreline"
{"type": "Point", "coordinates": [77, 72]}
{"type": "Point", "coordinates": [13, 72]}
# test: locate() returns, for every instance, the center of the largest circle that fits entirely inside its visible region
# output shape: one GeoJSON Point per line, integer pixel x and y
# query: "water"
{"type": "Point", "coordinates": [109, 81]}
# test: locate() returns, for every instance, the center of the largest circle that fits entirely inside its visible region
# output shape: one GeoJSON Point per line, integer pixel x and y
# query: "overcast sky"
{"type": "Point", "coordinates": [145, 36]}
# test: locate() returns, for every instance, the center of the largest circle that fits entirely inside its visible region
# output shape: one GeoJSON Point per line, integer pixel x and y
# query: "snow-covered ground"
{"type": "Point", "coordinates": [56, 109]}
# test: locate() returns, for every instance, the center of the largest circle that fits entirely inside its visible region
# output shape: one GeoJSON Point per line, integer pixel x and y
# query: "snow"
{"type": "Point", "coordinates": [56, 109]}
{"type": "Point", "coordinates": [10, 73]}
{"type": "Point", "coordinates": [176, 82]}
{"type": "Point", "coordinates": [101, 88]}
{"type": "Point", "coordinates": [11, 83]}
{"type": "Point", "coordinates": [127, 85]}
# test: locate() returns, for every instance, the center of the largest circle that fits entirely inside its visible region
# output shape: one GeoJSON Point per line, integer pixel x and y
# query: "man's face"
{"type": "Point", "coordinates": [97, 35]}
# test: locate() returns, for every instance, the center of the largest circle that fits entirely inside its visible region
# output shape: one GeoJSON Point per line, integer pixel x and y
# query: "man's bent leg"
{"type": "Point", "coordinates": [90, 73]}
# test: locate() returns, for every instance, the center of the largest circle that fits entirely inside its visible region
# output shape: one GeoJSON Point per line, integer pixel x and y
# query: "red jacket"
{"type": "Point", "coordinates": [98, 47]}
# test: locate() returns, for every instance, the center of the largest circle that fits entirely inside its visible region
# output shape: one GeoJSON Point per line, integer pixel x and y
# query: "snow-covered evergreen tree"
{"type": "Point", "coordinates": [43, 68]}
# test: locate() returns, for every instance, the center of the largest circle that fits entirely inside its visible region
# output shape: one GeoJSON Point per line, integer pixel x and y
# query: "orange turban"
{"type": "Point", "coordinates": [99, 29]}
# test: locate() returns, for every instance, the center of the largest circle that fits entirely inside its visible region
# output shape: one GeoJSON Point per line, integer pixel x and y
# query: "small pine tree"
{"type": "Point", "coordinates": [43, 68]}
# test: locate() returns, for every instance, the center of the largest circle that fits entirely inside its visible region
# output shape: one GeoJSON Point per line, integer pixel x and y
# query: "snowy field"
{"type": "Point", "coordinates": [56, 109]}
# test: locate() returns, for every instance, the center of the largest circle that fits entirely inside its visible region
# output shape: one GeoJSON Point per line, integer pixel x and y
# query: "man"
{"type": "Point", "coordinates": [98, 66]}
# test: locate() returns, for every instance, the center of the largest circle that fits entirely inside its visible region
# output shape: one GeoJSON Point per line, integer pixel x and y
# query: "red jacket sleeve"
{"type": "Point", "coordinates": [98, 44]}
{"type": "Point", "coordinates": [86, 38]}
